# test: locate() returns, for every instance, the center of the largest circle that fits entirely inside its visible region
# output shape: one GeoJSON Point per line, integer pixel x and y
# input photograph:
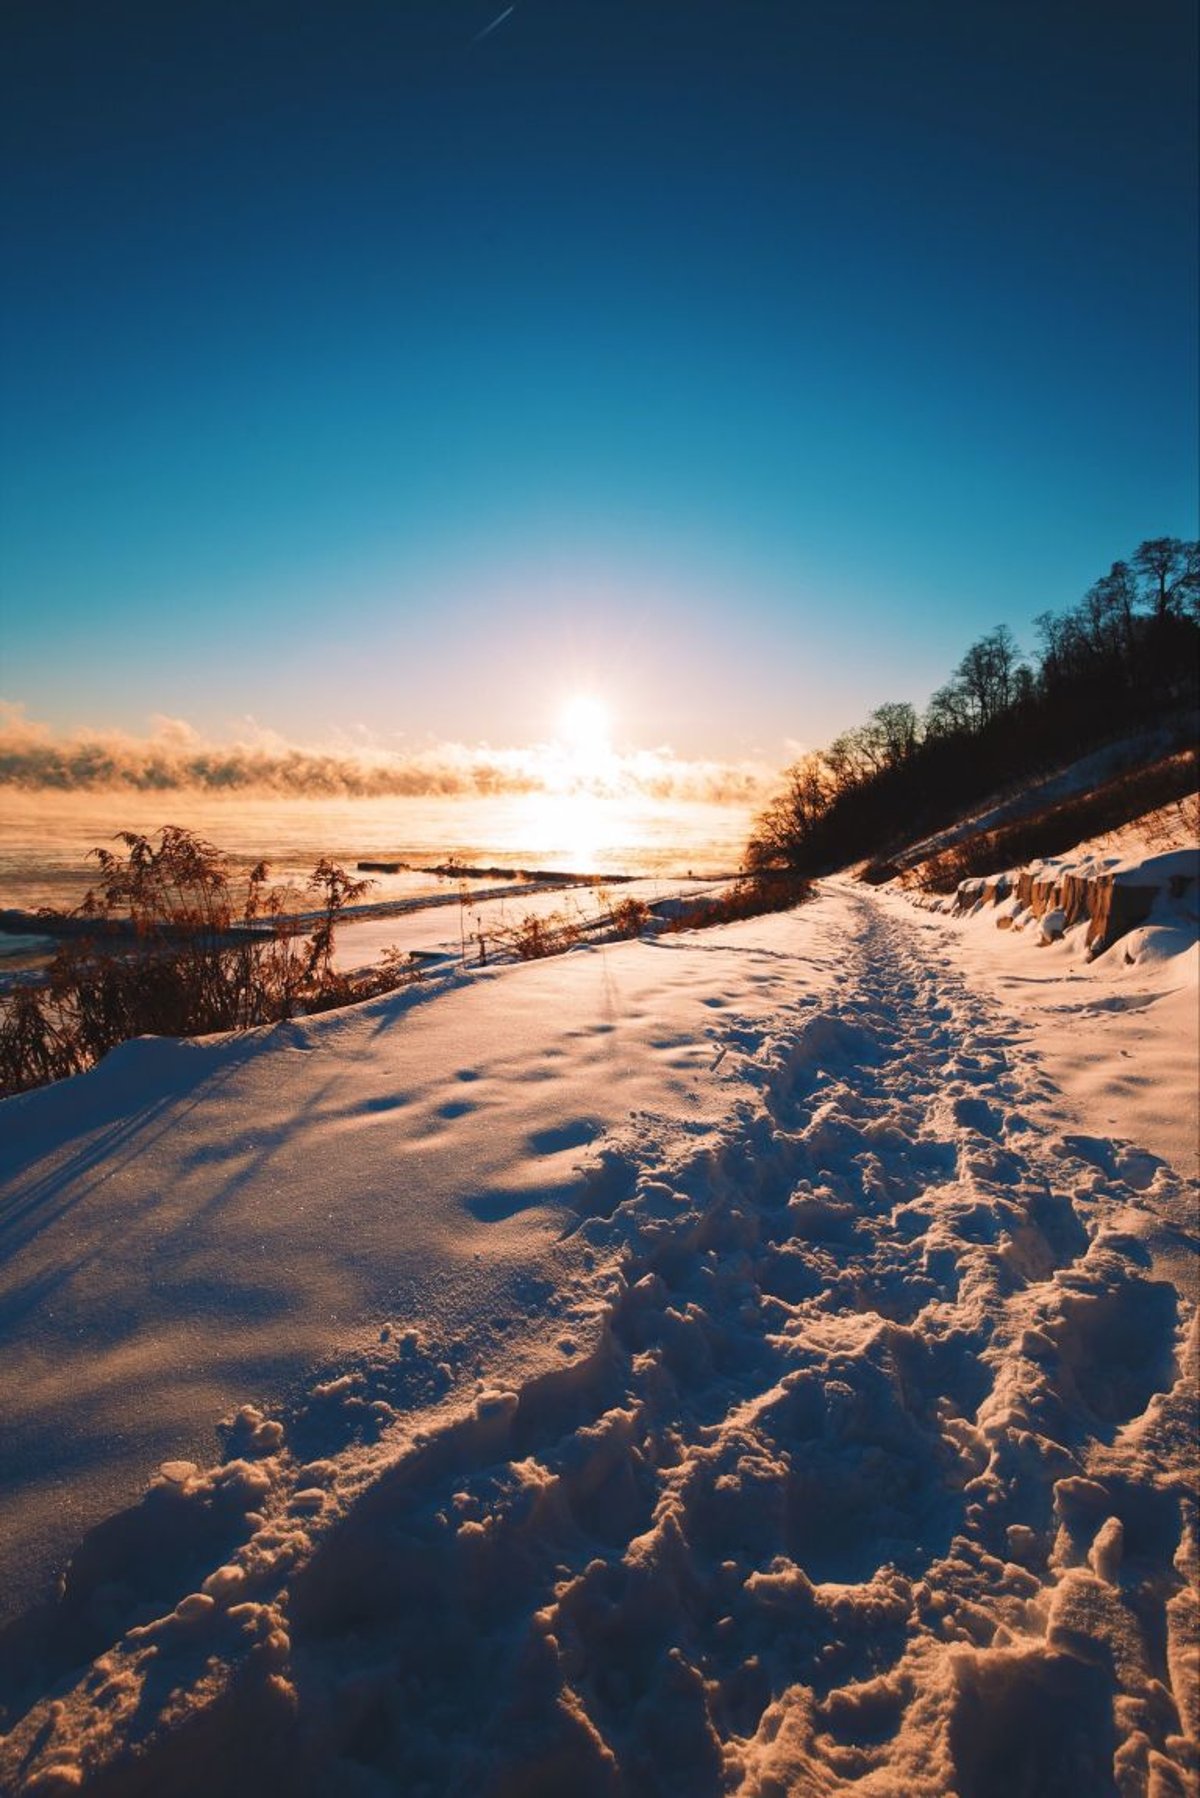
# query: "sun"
{"type": "Point", "coordinates": [582, 752]}
{"type": "Point", "coordinates": [585, 727]}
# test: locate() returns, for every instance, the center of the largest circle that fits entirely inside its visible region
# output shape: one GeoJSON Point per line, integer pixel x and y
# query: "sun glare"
{"type": "Point", "coordinates": [583, 750]}
{"type": "Point", "coordinates": [585, 726]}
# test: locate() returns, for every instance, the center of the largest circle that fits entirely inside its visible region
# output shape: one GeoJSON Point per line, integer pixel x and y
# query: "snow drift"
{"type": "Point", "coordinates": [726, 1364]}
{"type": "Point", "coordinates": [1111, 893]}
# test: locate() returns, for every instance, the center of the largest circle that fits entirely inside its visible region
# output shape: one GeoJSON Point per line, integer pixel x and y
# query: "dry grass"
{"type": "Point", "coordinates": [554, 933]}
{"type": "Point", "coordinates": [171, 954]}
{"type": "Point", "coordinates": [749, 897]}
{"type": "Point", "coordinates": [1164, 784]}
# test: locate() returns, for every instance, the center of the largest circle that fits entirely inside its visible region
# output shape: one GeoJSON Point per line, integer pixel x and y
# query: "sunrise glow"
{"type": "Point", "coordinates": [598, 898]}
{"type": "Point", "coordinates": [585, 725]}
{"type": "Point", "coordinates": [584, 738]}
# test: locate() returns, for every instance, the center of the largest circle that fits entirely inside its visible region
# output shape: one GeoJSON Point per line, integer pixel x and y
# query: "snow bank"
{"type": "Point", "coordinates": [1113, 1012]}
{"type": "Point", "coordinates": [1113, 894]}
{"type": "Point", "coordinates": [451, 932]}
{"type": "Point", "coordinates": [718, 1365]}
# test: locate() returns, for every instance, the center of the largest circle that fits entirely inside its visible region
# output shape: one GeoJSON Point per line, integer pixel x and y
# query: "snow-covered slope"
{"type": "Point", "coordinates": [1101, 965]}
{"type": "Point", "coordinates": [1076, 780]}
{"type": "Point", "coordinates": [731, 1363]}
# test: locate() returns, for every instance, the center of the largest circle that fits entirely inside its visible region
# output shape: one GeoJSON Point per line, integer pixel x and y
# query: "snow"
{"type": "Point", "coordinates": [1078, 777]}
{"type": "Point", "coordinates": [1117, 1030]}
{"type": "Point", "coordinates": [758, 1361]}
{"type": "Point", "coordinates": [1181, 865]}
{"type": "Point", "coordinates": [441, 932]}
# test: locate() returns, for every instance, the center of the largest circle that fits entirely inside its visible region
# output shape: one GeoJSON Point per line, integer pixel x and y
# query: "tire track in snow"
{"type": "Point", "coordinates": [877, 1477]}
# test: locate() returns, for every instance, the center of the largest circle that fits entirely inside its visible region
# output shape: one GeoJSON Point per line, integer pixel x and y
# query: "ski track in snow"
{"type": "Point", "coordinates": [874, 1476]}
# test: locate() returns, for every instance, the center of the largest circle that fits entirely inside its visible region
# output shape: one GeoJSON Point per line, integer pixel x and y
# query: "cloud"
{"type": "Point", "coordinates": [174, 757]}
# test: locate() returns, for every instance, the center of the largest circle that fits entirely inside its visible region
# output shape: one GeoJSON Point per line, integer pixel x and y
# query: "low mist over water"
{"type": "Point", "coordinates": [45, 837]}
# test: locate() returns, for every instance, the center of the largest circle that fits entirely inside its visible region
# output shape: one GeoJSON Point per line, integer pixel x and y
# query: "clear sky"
{"type": "Point", "coordinates": [366, 370]}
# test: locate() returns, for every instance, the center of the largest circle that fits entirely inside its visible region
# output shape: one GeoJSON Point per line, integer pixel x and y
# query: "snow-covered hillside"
{"type": "Point", "coordinates": [754, 1362]}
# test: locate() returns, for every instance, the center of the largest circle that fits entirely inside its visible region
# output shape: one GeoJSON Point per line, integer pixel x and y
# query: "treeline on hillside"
{"type": "Point", "coordinates": [1125, 655]}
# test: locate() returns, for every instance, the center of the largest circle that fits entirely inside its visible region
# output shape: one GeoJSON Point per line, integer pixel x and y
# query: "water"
{"type": "Point", "coordinates": [45, 837]}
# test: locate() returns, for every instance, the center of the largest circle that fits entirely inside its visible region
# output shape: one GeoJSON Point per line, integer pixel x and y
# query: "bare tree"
{"type": "Point", "coordinates": [949, 711]}
{"type": "Point", "coordinates": [985, 675]}
{"type": "Point", "coordinates": [1110, 606]}
{"type": "Point", "coordinates": [1171, 569]}
{"type": "Point", "coordinates": [842, 762]}
{"type": "Point", "coordinates": [782, 830]}
{"type": "Point", "coordinates": [897, 728]}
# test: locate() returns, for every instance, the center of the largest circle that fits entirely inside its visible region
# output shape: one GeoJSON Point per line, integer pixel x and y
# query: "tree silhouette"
{"type": "Point", "coordinates": [1122, 658]}
{"type": "Point", "coordinates": [1171, 569]}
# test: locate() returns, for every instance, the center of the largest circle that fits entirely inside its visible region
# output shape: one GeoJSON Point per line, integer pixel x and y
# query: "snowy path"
{"type": "Point", "coordinates": [873, 1474]}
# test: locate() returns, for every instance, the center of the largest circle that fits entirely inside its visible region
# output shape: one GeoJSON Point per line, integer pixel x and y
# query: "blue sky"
{"type": "Point", "coordinates": [739, 361]}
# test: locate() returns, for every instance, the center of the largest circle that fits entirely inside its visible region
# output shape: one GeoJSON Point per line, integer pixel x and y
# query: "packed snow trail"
{"type": "Point", "coordinates": [874, 1475]}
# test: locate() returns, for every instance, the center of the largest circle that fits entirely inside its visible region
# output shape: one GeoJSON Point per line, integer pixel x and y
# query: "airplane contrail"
{"type": "Point", "coordinates": [498, 20]}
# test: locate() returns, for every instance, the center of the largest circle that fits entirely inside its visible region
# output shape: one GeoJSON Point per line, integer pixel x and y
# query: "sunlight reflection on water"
{"type": "Point", "coordinates": [45, 837]}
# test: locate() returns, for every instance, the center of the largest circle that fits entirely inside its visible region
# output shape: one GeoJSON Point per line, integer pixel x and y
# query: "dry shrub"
{"type": "Point", "coordinates": [1170, 823]}
{"type": "Point", "coordinates": [556, 932]}
{"type": "Point", "coordinates": [162, 950]}
{"type": "Point", "coordinates": [749, 897]}
{"type": "Point", "coordinates": [943, 872]}
{"type": "Point", "coordinates": [877, 872]}
{"type": "Point", "coordinates": [537, 935]}
{"type": "Point", "coordinates": [629, 917]}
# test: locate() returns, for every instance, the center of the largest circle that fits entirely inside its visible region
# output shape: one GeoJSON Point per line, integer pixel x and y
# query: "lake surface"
{"type": "Point", "coordinates": [45, 837]}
